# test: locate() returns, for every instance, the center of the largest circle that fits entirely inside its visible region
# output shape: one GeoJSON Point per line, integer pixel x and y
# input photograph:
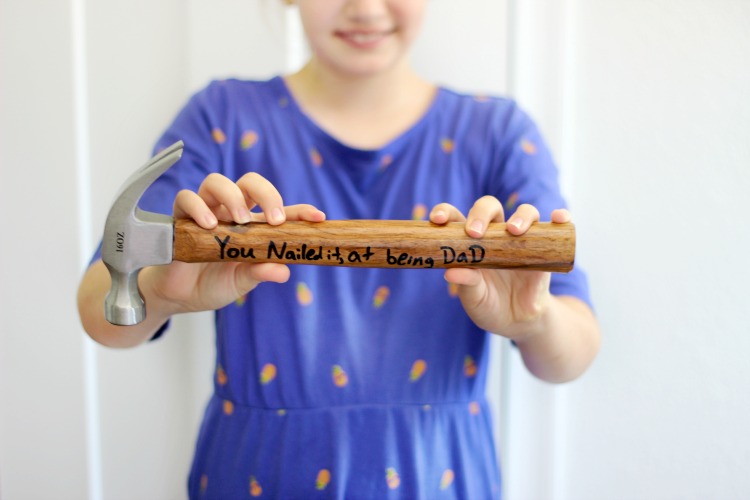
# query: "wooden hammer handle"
{"type": "Point", "coordinates": [378, 243]}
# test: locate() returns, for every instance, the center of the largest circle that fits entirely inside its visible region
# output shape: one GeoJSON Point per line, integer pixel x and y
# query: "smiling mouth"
{"type": "Point", "coordinates": [364, 38]}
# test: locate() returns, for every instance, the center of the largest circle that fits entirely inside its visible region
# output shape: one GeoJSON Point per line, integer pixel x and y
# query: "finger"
{"type": "Point", "coordinates": [485, 210]}
{"type": "Point", "coordinates": [463, 276]}
{"type": "Point", "coordinates": [257, 190]}
{"type": "Point", "coordinates": [188, 204]}
{"type": "Point", "coordinates": [224, 198]}
{"type": "Point", "coordinates": [472, 289]}
{"type": "Point", "coordinates": [302, 212]}
{"type": "Point", "coordinates": [561, 216]}
{"type": "Point", "coordinates": [443, 213]}
{"type": "Point", "coordinates": [248, 276]}
{"type": "Point", "coordinates": [524, 216]}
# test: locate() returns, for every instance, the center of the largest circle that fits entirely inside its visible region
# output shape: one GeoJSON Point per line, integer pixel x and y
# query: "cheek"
{"type": "Point", "coordinates": [410, 15]}
{"type": "Point", "coordinates": [314, 20]}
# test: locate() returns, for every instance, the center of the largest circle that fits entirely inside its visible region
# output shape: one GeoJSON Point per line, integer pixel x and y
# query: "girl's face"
{"type": "Point", "coordinates": [361, 37]}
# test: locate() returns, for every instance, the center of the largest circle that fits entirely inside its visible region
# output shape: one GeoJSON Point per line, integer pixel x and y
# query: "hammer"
{"type": "Point", "coordinates": [134, 238]}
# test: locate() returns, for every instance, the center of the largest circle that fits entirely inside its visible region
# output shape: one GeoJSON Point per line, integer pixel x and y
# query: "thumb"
{"type": "Point", "coordinates": [472, 288]}
{"type": "Point", "coordinates": [248, 276]}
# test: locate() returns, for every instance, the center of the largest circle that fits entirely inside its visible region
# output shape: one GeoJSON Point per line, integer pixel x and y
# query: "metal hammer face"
{"type": "Point", "coordinates": [134, 239]}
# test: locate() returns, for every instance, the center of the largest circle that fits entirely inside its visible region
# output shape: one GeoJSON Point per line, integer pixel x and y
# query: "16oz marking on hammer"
{"type": "Point", "coordinates": [120, 244]}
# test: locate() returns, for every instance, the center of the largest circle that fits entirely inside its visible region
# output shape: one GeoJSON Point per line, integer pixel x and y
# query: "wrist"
{"type": "Point", "coordinates": [563, 343]}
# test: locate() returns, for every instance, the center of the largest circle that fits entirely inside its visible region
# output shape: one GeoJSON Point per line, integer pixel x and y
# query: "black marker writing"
{"type": "Point", "coordinates": [302, 253]}
{"type": "Point", "coordinates": [450, 255]}
{"type": "Point", "coordinates": [233, 253]}
{"type": "Point", "coordinates": [404, 259]}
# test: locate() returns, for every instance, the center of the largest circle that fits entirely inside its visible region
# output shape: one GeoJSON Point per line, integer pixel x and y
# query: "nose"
{"type": "Point", "coordinates": [365, 10]}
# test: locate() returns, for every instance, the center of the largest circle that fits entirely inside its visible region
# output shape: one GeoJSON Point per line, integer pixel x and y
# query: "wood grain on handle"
{"type": "Point", "coordinates": [378, 243]}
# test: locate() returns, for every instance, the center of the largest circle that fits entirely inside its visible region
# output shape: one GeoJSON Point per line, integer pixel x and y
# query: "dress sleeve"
{"type": "Point", "coordinates": [198, 125]}
{"type": "Point", "coordinates": [525, 172]}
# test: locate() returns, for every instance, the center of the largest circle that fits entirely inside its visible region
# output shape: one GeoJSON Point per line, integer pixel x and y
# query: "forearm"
{"type": "Point", "coordinates": [91, 294]}
{"type": "Point", "coordinates": [561, 344]}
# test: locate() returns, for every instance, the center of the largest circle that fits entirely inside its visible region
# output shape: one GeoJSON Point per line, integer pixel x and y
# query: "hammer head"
{"type": "Point", "coordinates": [134, 239]}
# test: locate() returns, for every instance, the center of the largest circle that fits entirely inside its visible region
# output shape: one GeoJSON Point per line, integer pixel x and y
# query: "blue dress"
{"type": "Point", "coordinates": [354, 383]}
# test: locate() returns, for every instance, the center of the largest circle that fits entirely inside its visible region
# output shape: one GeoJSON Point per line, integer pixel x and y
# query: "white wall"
{"type": "Point", "coordinates": [646, 105]}
{"type": "Point", "coordinates": [41, 356]}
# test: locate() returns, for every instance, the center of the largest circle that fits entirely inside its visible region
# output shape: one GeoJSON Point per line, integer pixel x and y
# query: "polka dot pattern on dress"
{"type": "Point", "coordinates": [418, 370]}
{"type": "Point", "coordinates": [218, 136]}
{"type": "Point", "coordinates": [267, 373]}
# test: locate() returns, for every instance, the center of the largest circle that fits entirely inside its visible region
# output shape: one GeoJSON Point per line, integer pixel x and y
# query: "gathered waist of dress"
{"type": "Point", "coordinates": [472, 404]}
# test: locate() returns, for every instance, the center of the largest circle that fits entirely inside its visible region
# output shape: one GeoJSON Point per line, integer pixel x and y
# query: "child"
{"type": "Point", "coordinates": [341, 382]}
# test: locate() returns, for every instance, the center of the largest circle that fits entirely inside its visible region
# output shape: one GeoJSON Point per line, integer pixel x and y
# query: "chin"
{"type": "Point", "coordinates": [367, 66]}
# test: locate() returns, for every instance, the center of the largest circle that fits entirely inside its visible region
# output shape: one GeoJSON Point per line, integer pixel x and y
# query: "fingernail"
{"type": "Point", "coordinates": [439, 214]}
{"type": "Point", "coordinates": [277, 216]}
{"type": "Point", "coordinates": [516, 222]}
{"type": "Point", "coordinates": [243, 216]}
{"type": "Point", "coordinates": [476, 226]}
{"type": "Point", "coordinates": [210, 220]}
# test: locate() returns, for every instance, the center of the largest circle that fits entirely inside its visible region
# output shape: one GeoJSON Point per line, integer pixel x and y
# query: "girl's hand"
{"type": "Point", "coordinates": [506, 302]}
{"type": "Point", "coordinates": [183, 287]}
